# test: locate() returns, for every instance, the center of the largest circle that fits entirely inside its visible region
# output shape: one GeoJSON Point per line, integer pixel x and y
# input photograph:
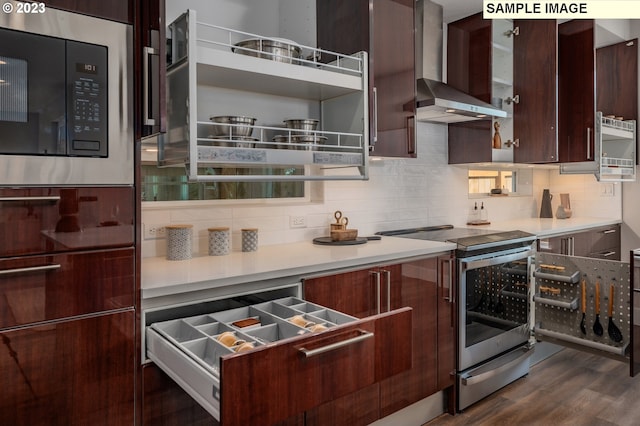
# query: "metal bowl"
{"type": "Point", "coordinates": [237, 142]}
{"type": "Point", "coordinates": [307, 125]}
{"type": "Point", "coordinates": [233, 125]}
{"type": "Point", "coordinates": [299, 142]}
{"type": "Point", "coordinates": [279, 50]}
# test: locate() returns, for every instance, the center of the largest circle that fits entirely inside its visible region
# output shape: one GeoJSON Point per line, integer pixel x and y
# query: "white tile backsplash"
{"type": "Point", "coordinates": [401, 193]}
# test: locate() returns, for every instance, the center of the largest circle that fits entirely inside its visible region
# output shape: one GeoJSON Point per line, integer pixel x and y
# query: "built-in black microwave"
{"type": "Point", "coordinates": [53, 96]}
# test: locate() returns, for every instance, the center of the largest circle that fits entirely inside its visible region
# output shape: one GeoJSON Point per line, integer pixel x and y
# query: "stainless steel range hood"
{"type": "Point", "coordinates": [437, 101]}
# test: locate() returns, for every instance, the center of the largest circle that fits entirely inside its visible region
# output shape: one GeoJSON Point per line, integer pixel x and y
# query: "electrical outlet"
{"type": "Point", "coordinates": [297, 222]}
{"type": "Point", "coordinates": [152, 232]}
{"type": "Point", "coordinates": [607, 190]}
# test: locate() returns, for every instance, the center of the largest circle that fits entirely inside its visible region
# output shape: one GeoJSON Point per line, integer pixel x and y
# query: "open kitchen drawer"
{"type": "Point", "coordinates": [291, 367]}
{"type": "Point", "coordinates": [584, 303]}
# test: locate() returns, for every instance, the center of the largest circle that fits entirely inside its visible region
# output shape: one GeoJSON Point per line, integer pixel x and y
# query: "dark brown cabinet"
{"type": "Point", "coordinates": [425, 286]}
{"type": "Point", "coordinates": [386, 30]}
{"type": "Point", "coordinates": [69, 372]}
{"type": "Point", "coordinates": [470, 69]}
{"type": "Point", "coordinates": [601, 242]}
{"type": "Point", "coordinates": [151, 67]}
{"type": "Point", "coordinates": [114, 10]}
{"type": "Point", "coordinates": [616, 79]}
{"type": "Point", "coordinates": [67, 307]}
{"type": "Point", "coordinates": [576, 91]}
{"type": "Point", "coordinates": [534, 81]}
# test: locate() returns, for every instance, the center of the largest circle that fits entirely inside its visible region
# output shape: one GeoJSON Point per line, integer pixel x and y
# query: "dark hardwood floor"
{"type": "Point", "coordinates": [569, 388]}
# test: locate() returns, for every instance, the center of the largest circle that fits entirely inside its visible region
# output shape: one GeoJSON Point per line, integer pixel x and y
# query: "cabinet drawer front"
{"type": "Point", "coordinates": [77, 372]}
{"type": "Point", "coordinates": [278, 380]}
{"type": "Point", "coordinates": [46, 220]}
{"type": "Point", "coordinates": [605, 239]}
{"type": "Point", "coordinates": [43, 288]}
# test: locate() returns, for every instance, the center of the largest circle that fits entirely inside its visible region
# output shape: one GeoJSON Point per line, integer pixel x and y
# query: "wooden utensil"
{"type": "Point", "coordinates": [597, 327]}
{"type": "Point", "coordinates": [583, 327]}
{"type": "Point", "coordinates": [614, 332]}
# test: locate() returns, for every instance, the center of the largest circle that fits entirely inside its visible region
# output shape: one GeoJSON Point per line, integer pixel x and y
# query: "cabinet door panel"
{"type": "Point", "coordinates": [44, 220]}
{"type": "Point", "coordinates": [576, 90]}
{"type": "Point", "coordinates": [416, 289]}
{"type": "Point", "coordinates": [69, 373]}
{"type": "Point", "coordinates": [81, 283]}
{"type": "Point", "coordinates": [352, 293]}
{"type": "Point", "coordinates": [384, 29]}
{"type": "Point", "coordinates": [535, 72]}
{"type": "Point", "coordinates": [617, 67]}
{"type": "Point", "coordinates": [447, 321]}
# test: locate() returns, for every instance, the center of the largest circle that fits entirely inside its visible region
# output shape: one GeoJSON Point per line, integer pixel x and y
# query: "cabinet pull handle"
{"type": "Point", "coordinates": [608, 253]}
{"type": "Point", "coordinates": [45, 198]}
{"type": "Point", "coordinates": [148, 52]}
{"type": "Point", "coordinates": [377, 275]}
{"type": "Point", "coordinates": [449, 297]}
{"type": "Point", "coordinates": [364, 335]}
{"type": "Point", "coordinates": [610, 231]}
{"type": "Point", "coordinates": [588, 143]}
{"type": "Point", "coordinates": [375, 115]}
{"type": "Point", "coordinates": [30, 269]}
{"type": "Point", "coordinates": [411, 135]}
{"type": "Point", "coordinates": [388, 276]}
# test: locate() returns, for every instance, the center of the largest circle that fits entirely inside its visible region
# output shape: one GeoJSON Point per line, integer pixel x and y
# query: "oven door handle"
{"type": "Point", "coordinates": [481, 263]}
{"type": "Point", "coordinates": [472, 380]}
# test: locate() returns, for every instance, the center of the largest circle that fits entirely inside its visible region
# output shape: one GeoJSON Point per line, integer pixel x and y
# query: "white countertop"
{"type": "Point", "coordinates": [161, 277]}
{"type": "Point", "coordinates": [551, 227]}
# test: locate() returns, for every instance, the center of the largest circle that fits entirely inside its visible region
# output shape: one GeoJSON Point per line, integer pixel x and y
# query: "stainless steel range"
{"type": "Point", "coordinates": [493, 305]}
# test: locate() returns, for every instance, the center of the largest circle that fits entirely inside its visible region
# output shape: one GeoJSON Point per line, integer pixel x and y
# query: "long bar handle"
{"type": "Point", "coordinates": [364, 335]}
{"type": "Point", "coordinates": [449, 263]}
{"type": "Point", "coordinates": [387, 274]}
{"type": "Point", "coordinates": [471, 380]}
{"type": "Point", "coordinates": [375, 115]}
{"type": "Point", "coordinates": [610, 231]}
{"type": "Point", "coordinates": [588, 143]}
{"type": "Point", "coordinates": [148, 52]}
{"type": "Point", "coordinates": [377, 275]}
{"type": "Point", "coordinates": [30, 269]}
{"type": "Point", "coordinates": [36, 198]}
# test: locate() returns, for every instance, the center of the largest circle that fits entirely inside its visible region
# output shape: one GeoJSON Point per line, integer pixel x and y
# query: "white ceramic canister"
{"type": "Point", "coordinates": [249, 239]}
{"type": "Point", "coordinates": [179, 239]}
{"type": "Point", "coordinates": [219, 241]}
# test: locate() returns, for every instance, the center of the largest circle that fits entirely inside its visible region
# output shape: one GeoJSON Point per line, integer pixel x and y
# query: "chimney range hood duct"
{"type": "Point", "coordinates": [436, 101]}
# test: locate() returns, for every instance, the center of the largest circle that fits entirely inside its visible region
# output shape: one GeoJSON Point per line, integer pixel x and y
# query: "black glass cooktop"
{"type": "Point", "coordinates": [467, 239]}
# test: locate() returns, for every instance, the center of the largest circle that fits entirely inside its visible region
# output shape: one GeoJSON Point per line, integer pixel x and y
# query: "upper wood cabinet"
{"type": "Point", "coordinates": [348, 27]}
{"type": "Point", "coordinates": [513, 68]}
{"type": "Point", "coordinates": [617, 79]}
{"type": "Point", "coordinates": [534, 82]}
{"type": "Point", "coordinates": [576, 91]}
{"type": "Point", "coordinates": [115, 10]}
{"type": "Point", "coordinates": [151, 67]}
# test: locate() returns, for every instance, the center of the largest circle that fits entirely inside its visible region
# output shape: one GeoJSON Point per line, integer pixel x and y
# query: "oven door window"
{"type": "Point", "coordinates": [32, 94]}
{"type": "Point", "coordinates": [497, 306]}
